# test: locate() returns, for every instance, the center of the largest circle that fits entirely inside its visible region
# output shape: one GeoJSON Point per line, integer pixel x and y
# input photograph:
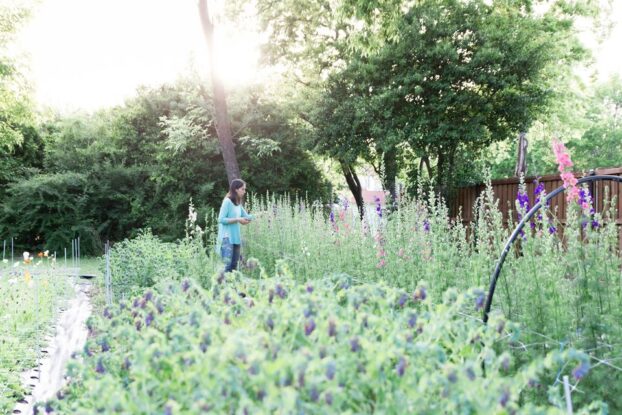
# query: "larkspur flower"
{"type": "Point", "coordinates": [412, 320]}
{"type": "Point", "coordinates": [105, 346]}
{"type": "Point", "coordinates": [420, 294]}
{"type": "Point", "coordinates": [270, 323]}
{"type": "Point", "coordinates": [479, 300]}
{"type": "Point", "coordinates": [400, 368]}
{"type": "Point", "coordinates": [426, 225]}
{"type": "Point", "coordinates": [331, 368]}
{"type": "Point", "coordinates": [470, 374]}
{"type": "Point", "coordinates": [280, 291]}
{"type": "Point", "coordinates": [107, 313]}
{"type": "Point", "coordinates": [505, 398]}
{"type": "Point", "coordinates": [564, 166]}
{"type": "Point", "coordinates": [314, 394]}
{"type": "Point", "coordinates": [328, 398]}
{"type": "Point", "coordinates": [402, 300]}
{"type": "Point", "coordinates": [309, 288]}
{"type": "Point", "coordinates": [355, 345]}
{"type": "Point", "coordinates": [378, 206]}
{"type": "Point", "coordinates": [149, 319]}
{"type": "Point", "coordinates": [332, 328]}
{"type": "Point", "coordinates": [309, 327]}
{"type": "Point", "coordinates": [581, 370]}
{"type": "Point", "coordinates": [185, 285]}
{"type": "Point", "coordinates": [100, 366]}
{"type": "Point", "coordinates": [126, 364]}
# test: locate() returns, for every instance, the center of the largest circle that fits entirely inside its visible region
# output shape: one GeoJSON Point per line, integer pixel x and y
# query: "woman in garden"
{"type": "Point", "coordinates": [231, 215]}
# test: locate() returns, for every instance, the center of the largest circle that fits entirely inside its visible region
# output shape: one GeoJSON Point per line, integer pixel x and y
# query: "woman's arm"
{"type": "Point", "coordinates": [246, 215]}
{"type": "Point", "coordinates": [223, 215]}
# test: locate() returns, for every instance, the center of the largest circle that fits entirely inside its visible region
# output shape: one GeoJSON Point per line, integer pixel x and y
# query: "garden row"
{"type": "Point", "coordinates": [327, 346]}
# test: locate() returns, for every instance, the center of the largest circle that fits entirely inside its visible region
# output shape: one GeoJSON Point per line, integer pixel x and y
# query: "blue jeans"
{"type": "Point", "coordinates": [235, 258]}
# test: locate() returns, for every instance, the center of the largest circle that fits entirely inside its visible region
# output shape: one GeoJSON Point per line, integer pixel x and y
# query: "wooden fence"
{"type": "Point", "coordinates": [506, 190]}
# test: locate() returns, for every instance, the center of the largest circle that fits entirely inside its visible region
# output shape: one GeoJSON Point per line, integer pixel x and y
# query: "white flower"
{"type": "Point", "coordinates": [26, 255]}
{"type": "Point", "coordinates": [16, 264]}
{"type": "Point", "coordinates": [13, 281]}
{"type": "Point", "coordinates": [46, 253]}
{"type": "Point", "coordinates": [5, 261]}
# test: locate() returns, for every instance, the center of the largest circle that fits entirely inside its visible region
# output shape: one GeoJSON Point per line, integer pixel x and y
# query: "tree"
{"type": "Point", "coordinates": [460, 76]}
{"type": "Point", "coordinates": [223, 125]}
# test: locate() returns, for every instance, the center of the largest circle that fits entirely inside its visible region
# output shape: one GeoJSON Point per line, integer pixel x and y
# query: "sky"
{"type": "Point", "coordinates": [88, 54]}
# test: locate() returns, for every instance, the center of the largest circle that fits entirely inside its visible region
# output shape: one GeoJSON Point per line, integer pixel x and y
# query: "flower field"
{"type": "Point", "coordinates": [31, 294]}
{"type": "Point", "coordinates": [328, 346]}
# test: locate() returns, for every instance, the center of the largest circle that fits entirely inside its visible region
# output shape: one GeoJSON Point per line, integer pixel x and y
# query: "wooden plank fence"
{"type": "Point", "coordinates": [506, 190]}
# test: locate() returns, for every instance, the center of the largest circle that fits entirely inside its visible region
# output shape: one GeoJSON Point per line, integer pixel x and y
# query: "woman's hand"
{"type": "Point", "coordinates": [244, 221]}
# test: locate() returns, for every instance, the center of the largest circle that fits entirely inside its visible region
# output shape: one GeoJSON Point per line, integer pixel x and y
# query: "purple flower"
{"type": "Point", "coordinates": [330, 370]}
{"type": "Point", "coordinates": [401, 366]}
{"type": "Point", "coordinates": [149, 319]}
{"type": "Point", "coordinates": [148, 295]}
{"type": "Point", "coordinates": [479, 300]}
{"type": "Point", "coordinates": [159, 307]}
{"type": "Point", "coordinates": [451, 377]}
{"type": "Point", "coordinates": [107, 313]}
{"type": "Point", "coordinates": [185, 285]}
{"type": "Point", "coordinates": [581, 370]}
{"type": "Point", "coordinates": [138, 325]}
{"type": "Point", "coordinates": [505, 397]}
{"type": "Point", "coordinates": [261, 394]}
{"type": "Point", "coordinates": [100, 366]}
{"type": "Point", "coordinates": [270, 323]}
{"type": "Point", "coordinates": [378, 206]}
{"type": "Point", "coordinates": [309, 288]}
{"type": "Point", "coordinates": [470, 373]}
{"type": "Point", "coordinates": [332, 217]}
{"type": "Point", "coordinates": [309, 327]}
{"type": "Point", "coordinates": [205, 342]}
{"type": "Point", "coordinates": [420, 294]}
{"type": "Point", "coordinates": [168, 410]}
{"type": "Point", "coordinates": [105, 345]}
{"type": "Point", "coordinates": [403, 299]}
{"type": "Point", "coordinates": [307, 312]}
{"type": "Point", "coordinates": [412, 320]}
{"type": "Point", "coordinates": [314, 394]}
{"type": "Point", "coordinates": [126, 364]}
{"type": "Point", "coordinates": [552, 229]}
{"type": "Point", "coordinates": [355, 346]}
{"type": "Point", "coordinates": [328, 398]}
{"type": "Point", "coordinates": [426, 225]}
{"type": "Point", "coordinates": [332, 328]}
{"type": "Point", "coordinates": [135, 303]}
{"type": "Point", "coordinates": [280, 291]}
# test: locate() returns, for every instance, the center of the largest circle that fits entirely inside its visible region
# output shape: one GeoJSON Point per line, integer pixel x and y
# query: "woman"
{"type": "Point", "coordinates": [231, 215]}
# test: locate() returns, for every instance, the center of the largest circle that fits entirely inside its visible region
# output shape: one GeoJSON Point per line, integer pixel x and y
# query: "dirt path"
{"type": "Point", "coordinates": [71, 333]}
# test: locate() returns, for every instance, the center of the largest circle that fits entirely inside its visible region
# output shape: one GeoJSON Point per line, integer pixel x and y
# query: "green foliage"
{"type": "Point", "coordinates": [31, 296]}
{"type": "Point", "coordinates": [323, 348]}
{"type": "Point", "coordinates": [564, 288]}
{"type": "Point", "coordinates": [45, 212]}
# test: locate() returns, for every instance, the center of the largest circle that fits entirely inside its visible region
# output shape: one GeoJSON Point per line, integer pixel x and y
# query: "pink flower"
{"type": "Point", "coordinates": [381, 264]}
{"type": "Point", "coordinates": [564, 163]}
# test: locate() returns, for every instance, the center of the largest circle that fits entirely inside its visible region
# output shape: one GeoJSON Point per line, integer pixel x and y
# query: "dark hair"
{"type": "Point", "coordinates": [233, 195]}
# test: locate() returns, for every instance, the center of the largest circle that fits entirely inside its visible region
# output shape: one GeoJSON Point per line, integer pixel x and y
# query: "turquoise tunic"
{"type": "Point", "coordinates": [228, 211]}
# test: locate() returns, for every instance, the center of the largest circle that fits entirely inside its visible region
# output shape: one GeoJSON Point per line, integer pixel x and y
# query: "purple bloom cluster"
{"type": "Point", "coordinates": [401, 366]}
{"type": "Point", "coordinates": [309, 327]}
{"type": "Point", "coordinates": [378, 206]}
{"type": "Point", "coordinates": [426, 225]}
{"type": "Point", "coordinates": [523, 203]}
{"type": "Point", "coordinates": [581, 370]}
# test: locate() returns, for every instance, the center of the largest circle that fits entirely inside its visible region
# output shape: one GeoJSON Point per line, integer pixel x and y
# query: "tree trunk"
{"type": "Point", "coordinates": [355, 186]}
{"type": "Point", "coordinates": [389, 159]}
{"type": "Point", "coordinates": [223, 125]}
{"type": "Point", "coordinates": [521, 159]}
